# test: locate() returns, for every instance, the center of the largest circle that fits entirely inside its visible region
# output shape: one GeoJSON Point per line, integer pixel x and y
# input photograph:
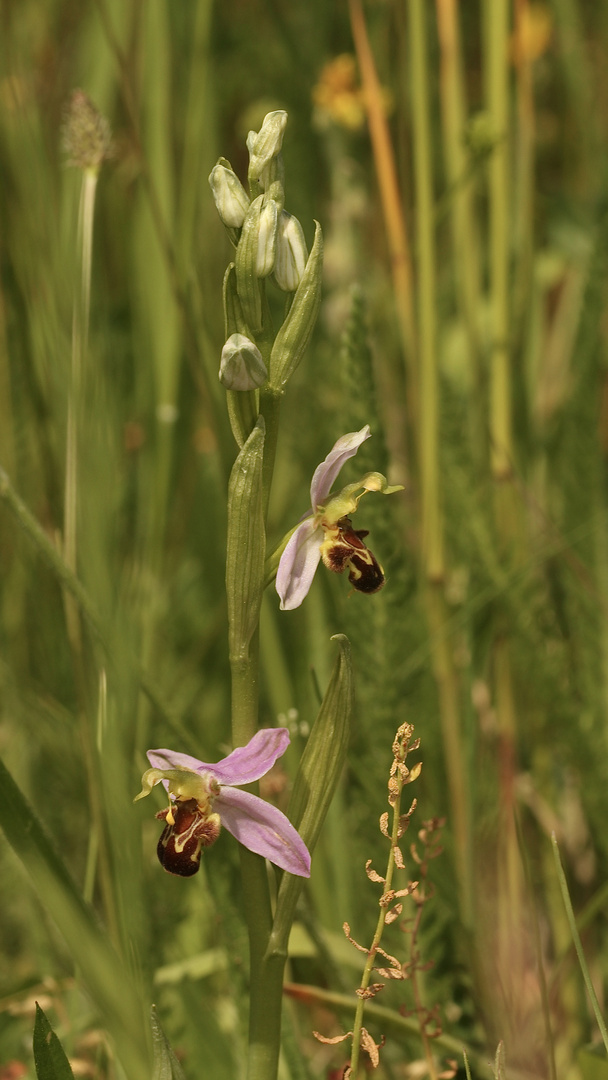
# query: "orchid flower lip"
{"type": "Point", "coordinates": [258, 825]}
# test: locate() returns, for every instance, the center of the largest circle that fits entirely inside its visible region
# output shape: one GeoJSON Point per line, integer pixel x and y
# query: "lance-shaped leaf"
{"type": "Point", "coordinates": [49, 1056]}
{"type": "Point", "coordinates": [166, 1065]}
{"type": "Point", "coordinates": [325, 752]}
{"type": "Point", "coordinates": [100, 968]}
{"type": "Point", "coordinates": [246, 546]}
{"type": "Point", "coordinates": [294, 335]}
{"type": "Point", "coordinates": [317, 778]}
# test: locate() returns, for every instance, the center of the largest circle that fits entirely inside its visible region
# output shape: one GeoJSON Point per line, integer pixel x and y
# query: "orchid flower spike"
{"type": "Point", "coordinates": [204, 797]}
{"type": "Point", "coordinates": [326, 530]}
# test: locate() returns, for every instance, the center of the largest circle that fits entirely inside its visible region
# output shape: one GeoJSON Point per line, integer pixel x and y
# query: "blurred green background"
{"type": "Point", "coordinates": [463, 319]}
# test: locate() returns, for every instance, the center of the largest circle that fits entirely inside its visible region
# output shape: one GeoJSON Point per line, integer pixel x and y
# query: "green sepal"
{"type": "Point", "coordinates": [248, 284]}
{"type": "Point", "coordinates": [271, 564]}
{"type": "Point", "coordinates": [49, 1056]}
{"type": "Point", "coordinates": [294, 335]}
{"type": "Point", "coordinates": [242, 405]}
{"type": "Point", "coordinates": [166, 1065]}
{"type": "Point", "coordinates": [317, 778]}
{"type": "Point", "coordinates": [246, 544]}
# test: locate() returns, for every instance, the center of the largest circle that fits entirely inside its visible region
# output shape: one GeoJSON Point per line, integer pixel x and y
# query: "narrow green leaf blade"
{"type": "Point", "coordinates": [318, 774]}
{"type": "Point", "coordinates": [101, 969]}
{"type": "Point", "coordinates": [166, 1065]}
{"type": "Point", "coordinates": [49, 1056]}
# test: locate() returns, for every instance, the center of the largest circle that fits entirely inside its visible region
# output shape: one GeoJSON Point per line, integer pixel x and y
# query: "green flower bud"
{"type": "Point", "coordinates": [292, 339]}
{"type": "Point", "coordinates": [242, 366]}
{"type": "Point", "coordinates": [291, 254]}
{"type": "Point", "coordinates": [242, 406]}
{"type": "Point", "coordinates": [265, 145]}
{"type": "Point", "coordinates": [230, 197]}
{"type": "Point", "coordinates": [267, 239]}
{"type": "Point", "coordinates": [246, 258]}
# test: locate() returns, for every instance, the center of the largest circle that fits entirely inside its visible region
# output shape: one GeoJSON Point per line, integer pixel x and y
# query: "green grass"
{"type": "Point", "coordinates": [491, 635]}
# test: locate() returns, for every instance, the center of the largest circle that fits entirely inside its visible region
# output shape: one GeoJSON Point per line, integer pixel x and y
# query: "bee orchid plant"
{"type": "Point", "coordinates": [257, 362]}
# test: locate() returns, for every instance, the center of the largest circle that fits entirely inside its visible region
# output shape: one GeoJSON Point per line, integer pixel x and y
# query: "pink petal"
{"type": "Point", "coordinates": [325, 473]}
{"type": "Point", "coordinates": [248, 763]}
{"type": "Point", "coordinates": [298, 563]}
{"type": "Point", "coordinates": [262, 828]}
{"type": "Point", "coordinates": [243, 765]}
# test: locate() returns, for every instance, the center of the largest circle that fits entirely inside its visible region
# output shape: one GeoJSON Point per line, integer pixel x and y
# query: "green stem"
{"type": "Point", "coordinates": [563, 884]}
{"type": "Point", "coordinates": [266, 975]}
{"type": "Point", "coordinates": [432, 532]}
{"type": "Point", "coordinates": [80, 337]}
{"type": "Point", "coordinates": [432, 525]}
{"type": "Point", "coordinates": [75, 429]}
{"type": "Point", "coordinates": [458, 199]}
{"type": "Point", "coordinates": [247, 503]}
{"type": "Point", "coordinates": [266, 1001]}
{"type": "Point", "coordinates": [270, 409]}
{"type": "Point", "coordinates": [498, 106]}
{"type": "Point", "coordinates": [456, 766]}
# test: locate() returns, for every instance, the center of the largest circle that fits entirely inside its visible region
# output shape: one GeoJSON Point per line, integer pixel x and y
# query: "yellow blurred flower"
{"type": "Point", "coordinates": [533, 34]}
{"type": "Point", "coordinates": [337, 95]}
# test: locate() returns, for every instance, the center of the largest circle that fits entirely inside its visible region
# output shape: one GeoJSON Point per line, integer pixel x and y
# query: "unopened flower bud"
{"type": "Point", "coordinates": [265, 145]}
{"type": "Point", "coordinates": [295, 333]}
{"type": "Point", "coordinates": [230, 197]}
{"type": "Point", "coordinates": [267, 239]}
{"type": "Point", "coordinates": [242, 366]}
{"type": "Point", "coordinates": [86, 133]}
{"type": "Point", "coordinates": [291, 254]}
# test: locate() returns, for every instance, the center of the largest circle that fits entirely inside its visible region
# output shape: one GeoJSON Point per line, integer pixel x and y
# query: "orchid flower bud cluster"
{"type": "Point", "coordinates": [269, 244]}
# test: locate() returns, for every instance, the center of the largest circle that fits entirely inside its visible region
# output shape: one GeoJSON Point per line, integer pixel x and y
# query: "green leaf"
{"type": "Point", "coordinates": [166, 1065]}
{"type": "Point", "coordinates": [317, 777]}
{"type": "Point", "coordinates": [246, 546]}
{"type": "Point", "coordinates": [325, 752]}
{"type": "Point", "coordinates": [563, 884]}
{"type": "Point", "coordinates": [49, 1055]}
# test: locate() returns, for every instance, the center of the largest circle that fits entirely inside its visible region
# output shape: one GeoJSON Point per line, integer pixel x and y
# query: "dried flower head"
{"type": "Point", "coordinates": [87, 138]}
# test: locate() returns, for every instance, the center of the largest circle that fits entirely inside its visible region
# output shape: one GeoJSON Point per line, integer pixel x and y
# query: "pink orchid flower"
{"type": "Point", "coordinates": [203, 797]}
{"type": "Point", "coordinates": [326, 530]}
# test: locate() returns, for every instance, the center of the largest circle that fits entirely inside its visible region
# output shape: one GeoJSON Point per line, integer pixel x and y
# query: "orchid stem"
{"type": "Point", "coordinates": [270, 409]}
{"type": "Point", "coordinates": [266, 968]}
{"type": "Point", "coordinates": [266, 975]}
